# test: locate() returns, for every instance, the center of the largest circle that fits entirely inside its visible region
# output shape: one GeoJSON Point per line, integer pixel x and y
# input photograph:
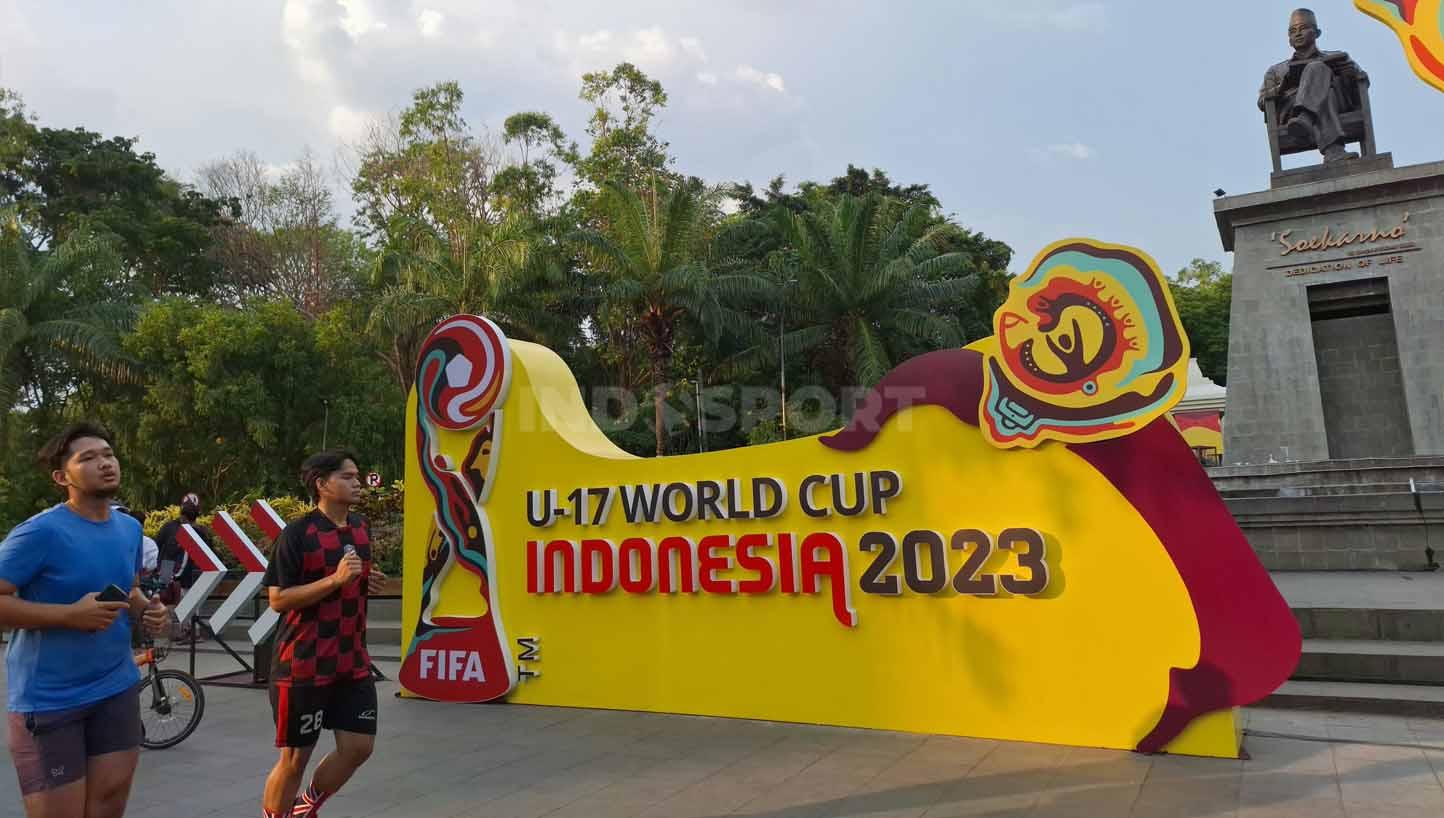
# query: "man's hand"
{"type": "Point", "coordinates": [91, 615]}
{"type": "Point", "coordinates": [375, 582]}
{"type": "Point", "coordinates": [347, 570]}
{"type": "Point", "coordinates": [156, 617]}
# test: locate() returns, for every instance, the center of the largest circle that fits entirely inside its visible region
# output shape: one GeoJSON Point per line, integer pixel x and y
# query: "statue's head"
{"type": "Point", "coordinates": [1304, 29]}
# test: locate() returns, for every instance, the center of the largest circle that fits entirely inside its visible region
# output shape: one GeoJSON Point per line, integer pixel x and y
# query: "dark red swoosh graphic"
{"type": "Point", "coordinates": [1249, 640]}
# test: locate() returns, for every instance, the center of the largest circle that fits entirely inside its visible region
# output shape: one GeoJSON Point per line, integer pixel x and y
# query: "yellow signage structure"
{"type": "Point", "coordinates": [1419, 25]}
{"type": "Point", "coordinates": [1008, 541]}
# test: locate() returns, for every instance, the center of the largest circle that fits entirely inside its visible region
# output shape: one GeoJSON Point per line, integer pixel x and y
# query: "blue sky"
{"type": "Point", "coordinates": [1031, 121]}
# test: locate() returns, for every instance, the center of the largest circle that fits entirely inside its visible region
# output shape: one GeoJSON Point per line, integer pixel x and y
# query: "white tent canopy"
{"type": "Point", "coordinates": [1202, 394]}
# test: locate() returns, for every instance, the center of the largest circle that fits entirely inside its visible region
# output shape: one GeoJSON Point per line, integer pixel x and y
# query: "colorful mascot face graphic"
{"type": "Point", "coordinates": [916, 570]}
{"type": "Point", "coordinates": [1088, 347]}
{"type": "Point", "coordinates": [1419, 25]}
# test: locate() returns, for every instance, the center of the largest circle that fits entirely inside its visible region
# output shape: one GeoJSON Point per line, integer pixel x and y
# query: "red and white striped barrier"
{"type": "Point", "coordinates": [271, 525]}
{"type": "Point", "coordinates": [212, 572]}
{"type": "Point", "coordinates": [254, 562]}
{"type": "Point", "coordinates": [267, 518]}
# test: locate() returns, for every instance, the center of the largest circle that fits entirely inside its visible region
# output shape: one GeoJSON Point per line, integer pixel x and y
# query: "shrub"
{"type": "Point", "coordinates": [381, 507]}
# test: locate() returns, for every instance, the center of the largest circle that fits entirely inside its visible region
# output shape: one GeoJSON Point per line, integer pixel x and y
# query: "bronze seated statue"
{"type": "Point", "coordinates": [1316, 100]}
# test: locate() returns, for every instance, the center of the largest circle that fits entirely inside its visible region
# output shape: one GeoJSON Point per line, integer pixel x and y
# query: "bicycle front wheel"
{"type": "Point", "coordinates": [171, 706]}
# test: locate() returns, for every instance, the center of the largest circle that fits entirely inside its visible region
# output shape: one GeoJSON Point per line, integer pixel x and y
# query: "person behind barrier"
{"type": "Point", "coordinates": [185, 570]}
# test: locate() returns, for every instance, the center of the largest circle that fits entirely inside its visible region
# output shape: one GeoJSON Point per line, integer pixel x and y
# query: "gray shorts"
{"type": "Point", "coordinates": [50, 749]}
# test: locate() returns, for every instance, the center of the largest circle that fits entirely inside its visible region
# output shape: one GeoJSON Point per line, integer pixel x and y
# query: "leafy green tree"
{"type": "Point", "coordinates": [625, 148]}
{"type": "Point", "coordinates": [529, 187]}
{"type": "Point", "coordinates": [653, 256]}
{"type": "Point", "coordinates": [286, 242]}
{"type": "Point", "coordinates": [55, 322]}
{"type": "Point", "coordinates": [754, 233]}
{"type": "Point", "coordinates": [235, 398]}
{"type": "Point", "coordinates": [873, 286]}
{"type": "Point", "coordinates": [17, 132]}
{"type": "Point", "coordinates": [62, 181]}
{"type": "Point", "coordinates": [428, 198]}
{"type": "Point", "coordinates": [25, 488]}
{"type": "Point", "coordinates": [1203, 294]}
{"type": "Point", "coordinates": [426, 173]}
{"type": "Point", "coordinates": [855, 181]}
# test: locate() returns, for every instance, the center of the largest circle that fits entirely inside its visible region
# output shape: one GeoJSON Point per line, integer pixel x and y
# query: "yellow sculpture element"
{"type": "Point", "coordinates": [1419, 25]}
{"type": "Point", "coordinates": [1006, 542]}
{"type": "Point", "coordinates": [1087, 662]}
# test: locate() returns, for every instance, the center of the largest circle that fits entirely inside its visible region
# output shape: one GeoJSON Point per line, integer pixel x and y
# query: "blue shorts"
{"type": "Point", "coordinates": [50, 749]}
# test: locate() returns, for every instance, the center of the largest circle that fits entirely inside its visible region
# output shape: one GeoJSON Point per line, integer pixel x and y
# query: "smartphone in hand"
{"type": "Point", "coordinates": [113, 593]}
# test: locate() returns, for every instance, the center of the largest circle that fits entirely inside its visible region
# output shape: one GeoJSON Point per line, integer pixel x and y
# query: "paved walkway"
{"type": "Point", "coordinates": [495, 761]}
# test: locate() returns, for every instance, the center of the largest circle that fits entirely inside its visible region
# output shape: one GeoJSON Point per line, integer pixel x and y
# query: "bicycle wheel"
{"type": "Point", "coordinates": [171, 706]}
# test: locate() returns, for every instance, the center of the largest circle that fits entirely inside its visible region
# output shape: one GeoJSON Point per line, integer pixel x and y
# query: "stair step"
{"type": "Point", "coordinates": [1371, 661]}
{"type": "Point", "coordinates": [1373, 647]}
{"type": "Point", "coordinates": [1396, 699]}
{"type": "Point", "coordinates": [1385, 624]}
{"type": "Point", "coordinates": [1381, 590]}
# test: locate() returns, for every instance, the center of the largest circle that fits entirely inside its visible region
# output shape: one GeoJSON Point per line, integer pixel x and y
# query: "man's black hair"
{"type": "Point", "coordinates": [55, 453]}
{"type": "Point", "coordinates": [322, 465]}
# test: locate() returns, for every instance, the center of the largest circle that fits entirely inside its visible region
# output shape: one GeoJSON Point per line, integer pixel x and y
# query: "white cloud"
{"type": "Point", "coordinates": [596, 41]}
{"type": "Point", "coordinates": [1078, 17]}
{"type": "Point", "coordinates": [1069, 150]}
{"type": "Point", "coordinates": [650, 46]}
{"type": "Point", "coordinates": [359, 19]}
{"type": "Point", "coordinates": [693, 47]}
{"type": "Point", "coordinates": [301, 31]}
{"type": "Point", "coordinates": [747, 73]}
{"type": "Point", "coordinates": [429, 22]}
{"type": "Point", "coordinates": [1088, 15]}
{"type": "Point", "coordinates": [296, 20]}
{"type": "Point", "coordinates": [14, 26]}
{"type": "Point", "coordinates": [707, 78]}
{"type": "Point", "coordinates": [348, 124]}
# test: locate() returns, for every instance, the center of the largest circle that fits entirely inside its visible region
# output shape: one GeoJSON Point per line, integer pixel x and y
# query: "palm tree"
{"type": "Point", "coordinates": [868, 285]}
{"type": "Point", "coordinates": [510, 271]}
{"type": "Point", "coordinates": [653, 255]}
{"type": "Point", "coordinates": [48, 317]}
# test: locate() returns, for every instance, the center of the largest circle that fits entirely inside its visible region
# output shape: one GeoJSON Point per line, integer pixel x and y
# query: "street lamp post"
{"type": "Point", "coordinates": [782, 350]}
{"type": "Point", "coordinates": [701, 421]}
{"type": "Point", "coordinates": [782, 369]}
{"type": "Point", "coordinates": [326, 424]}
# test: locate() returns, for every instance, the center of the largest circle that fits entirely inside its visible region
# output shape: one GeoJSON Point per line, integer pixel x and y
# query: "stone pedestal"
{"type": "Point", "coordinates": [1336, 340]}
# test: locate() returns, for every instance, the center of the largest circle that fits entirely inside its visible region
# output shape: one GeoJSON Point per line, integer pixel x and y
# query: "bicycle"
{"type": "Point", "coordinates": [175, 704]}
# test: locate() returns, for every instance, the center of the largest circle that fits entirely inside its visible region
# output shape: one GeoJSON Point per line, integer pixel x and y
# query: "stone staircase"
{"type": "Point", "coordinates": [1373, 642]}
{"type": "Point", "coordinates": [1384, 514]}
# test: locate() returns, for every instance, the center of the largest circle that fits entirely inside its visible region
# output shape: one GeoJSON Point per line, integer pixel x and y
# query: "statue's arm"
{"type": "Point", "coordinates": [1272, 85]}
{"type": "Point", "coordinates": [1358, 73]}
{"type": "Point", "coordinates": [1349, 68]}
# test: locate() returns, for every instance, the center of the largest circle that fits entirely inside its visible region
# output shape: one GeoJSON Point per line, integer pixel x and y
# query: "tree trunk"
{"type": "Point", "coordinates": [659, 394]}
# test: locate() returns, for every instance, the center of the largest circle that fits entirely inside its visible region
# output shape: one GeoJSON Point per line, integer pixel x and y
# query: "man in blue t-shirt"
{"type": "Point", "coordinates": [74, 707]}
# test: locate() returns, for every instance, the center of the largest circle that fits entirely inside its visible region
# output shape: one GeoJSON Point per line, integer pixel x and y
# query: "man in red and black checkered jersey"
{"type": "Point", "coordinates": [319, 579]}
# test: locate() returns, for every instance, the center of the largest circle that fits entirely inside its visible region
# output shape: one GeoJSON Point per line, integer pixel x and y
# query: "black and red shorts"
{"type": "Point", "coordinates": [302, 712]}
